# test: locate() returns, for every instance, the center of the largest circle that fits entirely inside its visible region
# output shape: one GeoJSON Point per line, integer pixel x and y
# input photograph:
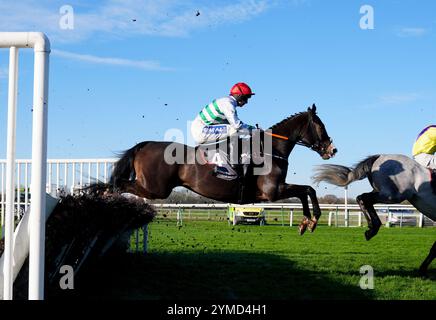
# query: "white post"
{"type": "Point", "coordinates": [73, 177]}
{"type": "Point", "coordinates": [57, 178]}
{"type": "Point", "coordinates": [401, 221]}
{"type": "Point", "coordinates": [389, 218]}
{"type": "Point", "coordinates": [39, 168]}
{"type": "Point", "coordinates": [179, 217]}
{"type": "Point", "coordinates": [26, 183]}
{"type": "Point", "coordinates": [50, 173]}
{"type": "Point", "coordinates": [3, 200]}
{"type": "Point", "coordinates": [291, 217]}
{"type": "Point", "coordinates": [346, 214]}
{"type": "Point", "coordinates": [421, 220]}
{"type": "Point", "coordinates": [41, 45]}
{"type": "Point", "coordinates": [330, 218]}
{"type": "Point", "coordinates": [10, 169]}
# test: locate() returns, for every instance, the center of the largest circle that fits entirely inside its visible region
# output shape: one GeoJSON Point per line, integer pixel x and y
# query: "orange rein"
{"type": "Point", "coordinates": [277, 135]}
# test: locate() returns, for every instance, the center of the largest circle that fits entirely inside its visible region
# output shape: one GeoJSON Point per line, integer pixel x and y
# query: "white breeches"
{"type": "Point", "coordinates": [203, 133]}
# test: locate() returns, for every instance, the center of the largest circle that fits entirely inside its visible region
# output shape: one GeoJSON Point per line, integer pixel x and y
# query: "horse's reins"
{"type": "Point", "coordinates": [275, 135]}
{"type": "Point", "coordinates": [314, 146]}
{"type": "Point", "coordinates": [301, 143]}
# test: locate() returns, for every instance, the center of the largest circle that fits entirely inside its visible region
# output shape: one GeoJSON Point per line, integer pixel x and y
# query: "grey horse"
{"type": "Point", "coordinates": [394, 178]}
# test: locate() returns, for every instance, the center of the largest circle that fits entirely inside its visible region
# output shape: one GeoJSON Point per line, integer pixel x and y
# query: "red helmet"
{"type": "Point", "coordinates": [241, 89]}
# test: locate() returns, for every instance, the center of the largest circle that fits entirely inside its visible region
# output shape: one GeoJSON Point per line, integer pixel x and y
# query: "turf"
{"type": "Point", "coordinates": [212, 260]}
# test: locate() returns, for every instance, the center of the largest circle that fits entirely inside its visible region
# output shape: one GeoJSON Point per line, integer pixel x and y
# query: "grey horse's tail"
{"type": "Point", "coordinates": [341, 175]}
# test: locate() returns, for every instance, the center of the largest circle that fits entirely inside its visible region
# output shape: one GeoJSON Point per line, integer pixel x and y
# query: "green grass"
{"type": "Point", "coordinates": [212, 260]}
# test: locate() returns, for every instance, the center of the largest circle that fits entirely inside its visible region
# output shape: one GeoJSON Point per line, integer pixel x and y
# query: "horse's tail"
{"type": "Point", "coordinates": [123, 169]}
{"type": "Point", "coordinates": [341, 175]}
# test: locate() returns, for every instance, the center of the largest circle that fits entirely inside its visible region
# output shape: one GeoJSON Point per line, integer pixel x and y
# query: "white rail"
{"type": "Point", "coordinates": [63, 176]}
{"type": "Point", "coordinates": [41, 47]}
{"type": "Point", "coordinates": [339, 214]}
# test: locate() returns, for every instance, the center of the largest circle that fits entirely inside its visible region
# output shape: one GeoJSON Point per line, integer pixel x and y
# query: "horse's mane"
{"type": "Point", "coordinates": [281, 123]}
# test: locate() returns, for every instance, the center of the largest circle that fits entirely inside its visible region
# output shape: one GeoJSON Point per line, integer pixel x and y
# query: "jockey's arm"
{"type": "Point", "coordinates": [231, 115]}
{"type": "Point", "coordinates": [233, 119]}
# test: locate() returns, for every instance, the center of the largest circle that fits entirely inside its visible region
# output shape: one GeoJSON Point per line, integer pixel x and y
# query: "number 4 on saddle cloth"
{"type": "Point", "coordinates": [235, 156]}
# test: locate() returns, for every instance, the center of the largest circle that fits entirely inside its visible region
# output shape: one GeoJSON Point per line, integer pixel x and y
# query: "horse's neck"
{"type": "Point", "coordinates": [290, 128]}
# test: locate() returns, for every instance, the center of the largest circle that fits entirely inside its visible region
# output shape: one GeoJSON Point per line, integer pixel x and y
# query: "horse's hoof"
{"type": "Point", "coordinates": [368, 235]}
{"type": "Point", "coordinates": [312, 226]}
{"type": "Point", "coordinates": [302, 229]}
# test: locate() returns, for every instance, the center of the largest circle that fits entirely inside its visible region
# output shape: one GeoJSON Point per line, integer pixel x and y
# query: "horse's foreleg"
{"type": "Point", "coordinates": [366, 202]}
{"type": "Point", "coordinates": [316, 209]}
{"type": "Point", "coordinates": [431, 256]}
{"type": "Point", "coordinates": [290, 190]}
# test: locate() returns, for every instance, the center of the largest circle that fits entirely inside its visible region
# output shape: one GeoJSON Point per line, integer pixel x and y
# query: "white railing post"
{"type": "Point", "coordinates": [39, 168]}
{"type": "Point", "coordinates": [346, 213]}
{"type": "Point", "coordinates": [50, 173]}
{"type": "Point", "coordinates": [389, 218]}
{"type": "Point", "coordinates": [26, 183]}
{"type": "Point", "coordinates": [41, 47]}
{"type": "Point", "coordinates": [73, 173]}
{"type": "Point", "coordinates": [421, 220]}
{"type": "Point", "coordinates": [3, 202]}
{"type": "Point", "coordinates": [10, 170]}
{"type": "Point", "coordinates": [18, 196]}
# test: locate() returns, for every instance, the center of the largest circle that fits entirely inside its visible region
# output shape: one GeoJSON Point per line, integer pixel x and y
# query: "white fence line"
{"type": "Point", "coordinates": [68, 175]}
{"type": "Point", "coordinates": [63, 175]}
{"type": "Point", "coordinates": [390, 214]}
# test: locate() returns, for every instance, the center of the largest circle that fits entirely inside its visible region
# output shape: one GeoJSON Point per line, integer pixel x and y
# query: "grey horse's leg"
{"type": "Point", "coordinates": [366, 202]}
{"type": "Point", "coordinates": [431, 256]}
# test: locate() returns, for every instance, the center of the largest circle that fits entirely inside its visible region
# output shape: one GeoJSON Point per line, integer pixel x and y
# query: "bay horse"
{"type": "Point", "coordinates": [143, 171]}
{"type": "Point", "coordinates": [394, 179]}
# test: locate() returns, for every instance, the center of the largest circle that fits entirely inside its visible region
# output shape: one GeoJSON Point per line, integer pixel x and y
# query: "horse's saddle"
{"type": "Point", "coordinates": [227, 158]}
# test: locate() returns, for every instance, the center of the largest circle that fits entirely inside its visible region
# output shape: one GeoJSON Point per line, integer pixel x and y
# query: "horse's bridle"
{"type": "Point", "coordinates": [318, 147]}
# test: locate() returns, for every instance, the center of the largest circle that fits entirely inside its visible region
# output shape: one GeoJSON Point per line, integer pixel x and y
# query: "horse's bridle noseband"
{"type": "Point", "coordinates": [319, 147]}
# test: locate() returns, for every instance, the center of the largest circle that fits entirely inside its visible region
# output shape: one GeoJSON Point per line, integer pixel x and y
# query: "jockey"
{"type": "Point", "coordinates": [219, 119]}
{"type": "Point", "coordinates": [425, 147]}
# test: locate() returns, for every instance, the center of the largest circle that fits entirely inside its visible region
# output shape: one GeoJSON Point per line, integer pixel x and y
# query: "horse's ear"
{"type": "Point", "coordinates": [312, 110]}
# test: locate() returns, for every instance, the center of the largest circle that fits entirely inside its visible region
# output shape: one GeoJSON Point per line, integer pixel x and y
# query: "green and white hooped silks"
{"type": "Point", "coordinates": [216, 121]}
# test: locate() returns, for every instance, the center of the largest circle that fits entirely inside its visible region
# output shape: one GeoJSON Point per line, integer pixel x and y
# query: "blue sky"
{"type": "Point", "coordinates": [131, 70]}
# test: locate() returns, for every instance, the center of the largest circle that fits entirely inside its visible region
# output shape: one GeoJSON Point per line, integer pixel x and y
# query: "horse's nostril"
{"type": "Point", "coordinates": [335, 150]}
